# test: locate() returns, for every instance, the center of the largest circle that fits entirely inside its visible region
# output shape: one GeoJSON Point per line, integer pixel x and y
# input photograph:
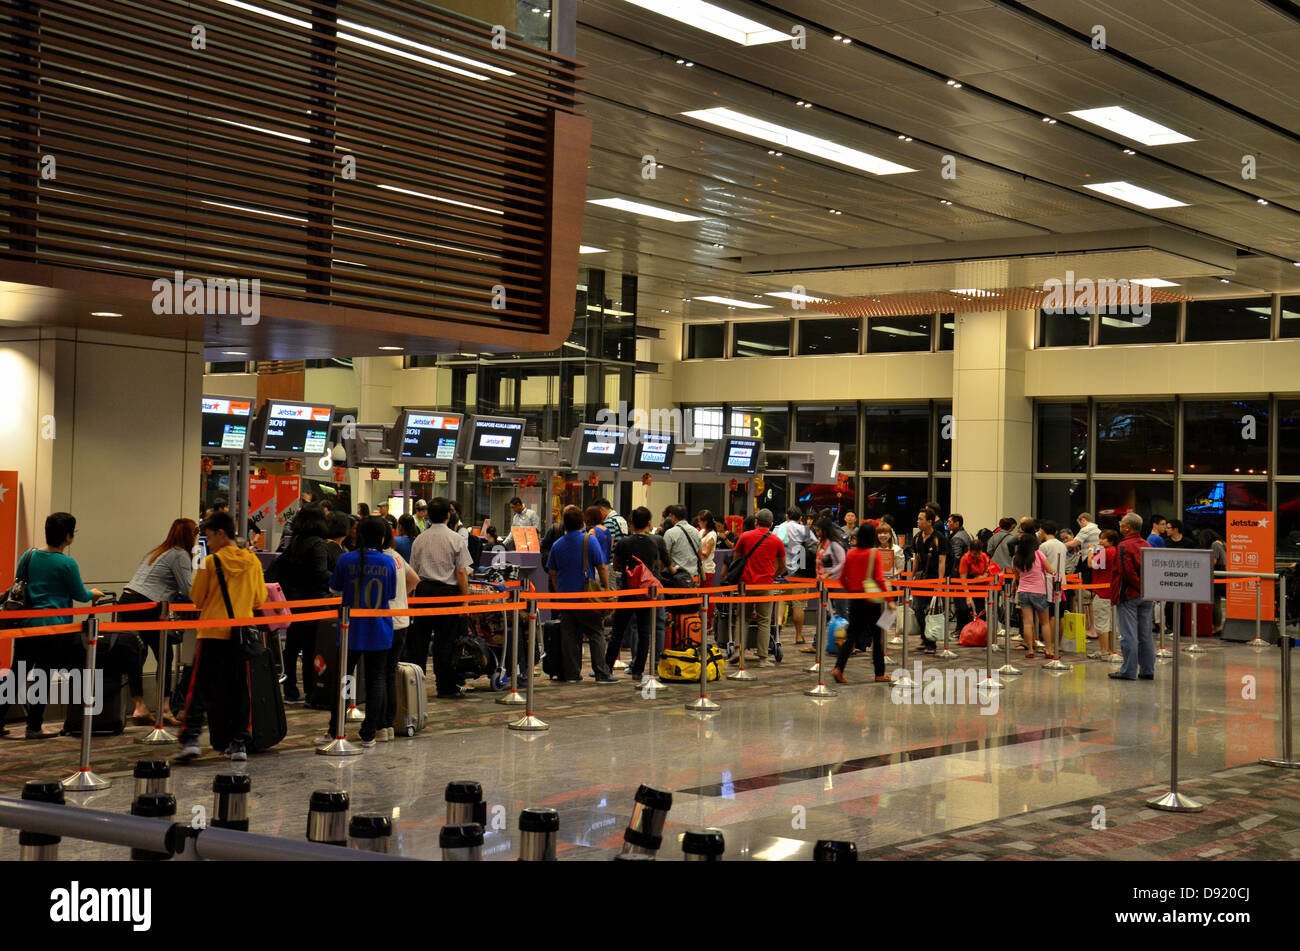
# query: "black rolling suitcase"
{"type": "Point", "coordinates": [111, 718]}
{"type": "Point", "coordinates": [552, 663]}
{"type": "Point", "coordinates": [265, 704]}
{"type": "Point", "coordinates": [324, 659]}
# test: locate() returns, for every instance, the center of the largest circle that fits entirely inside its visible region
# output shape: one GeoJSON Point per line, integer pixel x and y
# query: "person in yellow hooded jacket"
{"type": "Point", "coordinates": [218, 685]}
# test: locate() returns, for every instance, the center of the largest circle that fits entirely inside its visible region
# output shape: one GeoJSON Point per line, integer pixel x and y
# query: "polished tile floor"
{"type": "Point", "coordinates": [778, 772]}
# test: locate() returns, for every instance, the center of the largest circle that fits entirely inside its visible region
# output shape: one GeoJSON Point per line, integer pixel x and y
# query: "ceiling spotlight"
{"type": "Point", "coordinates": [233, 353]}
{"type": "Point", "coordinates": [719, 245]}
{"type": "Point", "coordinates": [664, 310]}
{"type": "Point", "coordinates": [104, 313]}
{"type": "Point", "coordinates": [944, 201]}
{"type": "Point", "coordinates": [838, 36]}
{"type": "Point", "coordinates": [681, 62]}
{"type": "Point", "coordinates": [1129, 152]}
{"type": "Point", "coordinates": [1296, 263]}
{"type": "Point", "coordinates": [391, 348]}
{"type": "Point", "coordinates": [806, 105]}
{"type": "Point", "coordinates": [835, 211]}
{"type": "Point", "coordinates": [775, 152]}
{"type": "Point", "coordinates": [1261, 201]}
{"type": "Point", "coordinates": [689, 64]}
{"type": "Point", "coordinates": [659, 166]}
{"type": "Point", "coordinates": [1224, 280]}
{"type": "Point", "coordinates": [1049, 120]}
{"type": "Point", "coordinates": [954, 84]}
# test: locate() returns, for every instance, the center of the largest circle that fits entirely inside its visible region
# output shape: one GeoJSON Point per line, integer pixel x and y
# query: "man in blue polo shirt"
{"type": "Point", "coordinates": [372, 574]}
{"type": "Point", "coordinates": [1158, 528]}
{"type": "Point", "coordinates": [565, 562]}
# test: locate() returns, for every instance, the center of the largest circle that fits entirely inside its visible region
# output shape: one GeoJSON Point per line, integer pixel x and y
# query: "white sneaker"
{"type": "Point", "coordinates": [619, 665]}
{"type": "Point", "coordinates": [766, 663]}
{"type": "Point", "coordinates": [1094, 655]}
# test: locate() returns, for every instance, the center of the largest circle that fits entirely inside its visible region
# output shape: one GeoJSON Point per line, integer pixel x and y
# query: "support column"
{"type": "Point", "coordinates": [992, 417]}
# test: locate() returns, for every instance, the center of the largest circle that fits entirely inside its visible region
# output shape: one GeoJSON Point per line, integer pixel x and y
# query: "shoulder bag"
{"type": "Point", "coordinates": [589, 583]}
{"type": "Point", "coordinates": [736, 567]}
{"type": "Point", "coordinates": [17, 598]}
{"type": "Point", "coordinates": [249, 639]}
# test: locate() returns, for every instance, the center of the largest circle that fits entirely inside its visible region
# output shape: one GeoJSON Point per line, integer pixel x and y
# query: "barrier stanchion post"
{"type": "Point", "coordinates": [904, 679]}
{"type": "Point", "coordinates": [1259, 641]}
{"type": "Point", "coordinates": [1007, 669]}
{"type": "Point", "coordinates": [819, 632]}
{"type": "Point", "coordinates": [703, 704]}
{"type": "Point", "coordinates": [650, 683]}
{"type": "Point", "coordinates": [740, 673]}
{"type": "Point", "coordinates": [40, 846]}
{"type": "Point", "coordinates": [339, 746]}
{"type": "Point", "coordinates": [513, 698]}
{"type": "Point", "coordinates": [354, 712]}
{"type": "Point", "coordinates": [1174, 801]}
{"type": "Point", "coordinates": [1162, 651]}
{"type": "Point", "coordinates": [158, 736]}
{"type": "Point", "coordinates": [947, 653]}
{"type": "Point", "coordinates": [821, 691]}
{"type": "Point", "coordinates": [529, 723]}
{"type": "Point", "coordinates": [1193, 648]}
{"type": "Point", "coordinates": [84, 779]}
{"type": "Point", "coordinates": [990, 682]}
{"type": "Point", "coordinates": [1287, 761]}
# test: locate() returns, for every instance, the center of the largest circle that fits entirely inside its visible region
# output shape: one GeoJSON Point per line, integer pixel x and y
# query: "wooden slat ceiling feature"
{"type": "Point", "coordinates": [1017, 175]}
{"type": "Point", "coordinates": [234, 161]}
{"type": "Point", "coordinates": [933, 302]}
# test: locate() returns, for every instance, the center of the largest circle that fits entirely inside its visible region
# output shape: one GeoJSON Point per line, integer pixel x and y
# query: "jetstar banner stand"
{"type": "Point", "coordinates": [1251, 543]}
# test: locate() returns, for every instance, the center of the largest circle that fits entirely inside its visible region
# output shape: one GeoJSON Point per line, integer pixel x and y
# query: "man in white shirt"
{"type": "Point", "coordinates": [794, 533]}
{"type": "Point", "coordinates": [1053, 550]}
{"type": "Point", "coordinates": [522, 517]}
{"type": "Point", "coordinates": [441, 558]}
{"type": "Point", "coordinates": [683, 541]}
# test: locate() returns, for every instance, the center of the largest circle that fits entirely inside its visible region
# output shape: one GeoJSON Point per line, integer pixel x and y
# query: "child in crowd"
{"type": "Point", "coordinates": [1103, 612]}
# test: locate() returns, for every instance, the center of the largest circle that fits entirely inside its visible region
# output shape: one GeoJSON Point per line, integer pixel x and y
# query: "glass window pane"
{"type": "Point", "coordinates": [825, 498]}
{"type": "Point", "coordinates": [1204, 503]}
{"type": "Point", "coordinates": [1063, 330]}
{"type": "Point", "coordinates": [943, 495]}
{"type": "Point", "coordinates": [899, 334]}
{"type": "Point", "coordinates": [898, 438]}
{"type": "Point", "coordinates": [1288, 519]}
{"type": "Point", "coordinates": [1288, 437]}
{"type": "Point", "coordinates": [771, 338]}
{"type": "Point", "coordinates": [1117, 497]}
{"type": "Point", "coordinates": [706, 422]}
{"type": "Point", "coordinates": [1162, 327]}
{"type": "Point", "coordinates": [769, 423]}
{"type": "Point", "coordinates": [947, 330]}
{"type": "Point", "coordinates": [900, 498]}
{"type": "Point", "coordinates": [1290, 317]}
{"type": "Point", "coordinates": [704, 341]}
{"type": "Point", "coordinates": [1135, 437]}
{"type": "Point", "coordinates": [1063, 437]}
{"type": "Point", "coordinates": [705, 495]}
{"type": "Point", "coordinates": [1061, 500]}
{"type": "Point", "coordinates": [1229, 319]}
{"type": "Point", "coordinates": [774, 495]}
{"type": "Point", "coordinates": [946, 427]}
{"type": "Point", "coordinates": [829, 336]}
{"type": "Point", "coordinates": [1225, 436]}
{"type": "Point", "coordinates": [838, 424]}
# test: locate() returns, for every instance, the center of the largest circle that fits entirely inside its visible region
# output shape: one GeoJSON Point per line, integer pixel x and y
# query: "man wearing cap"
{"type": "Point", "coordinates": [422, 514]}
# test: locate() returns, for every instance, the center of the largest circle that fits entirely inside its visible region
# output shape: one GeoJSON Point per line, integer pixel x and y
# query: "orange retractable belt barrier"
{"type": "Point", "coordinates": [15, 632]}
{"type": "Point", "coordinates": [578, 595]}
{"type": "Point", "coordinates": [437, 612]}
{"type": "Point", "coordinates": [63, 612]}
{"type": "Point", "coordinates": [216, 622]}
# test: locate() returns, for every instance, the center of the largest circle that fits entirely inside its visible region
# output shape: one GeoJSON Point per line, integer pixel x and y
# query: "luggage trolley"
{"type": "Point", "coordinates": [491, 628]}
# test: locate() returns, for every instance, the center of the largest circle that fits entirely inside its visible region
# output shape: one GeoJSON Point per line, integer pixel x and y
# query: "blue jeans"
{"type": "Point", "coordinates": [1135, 640]}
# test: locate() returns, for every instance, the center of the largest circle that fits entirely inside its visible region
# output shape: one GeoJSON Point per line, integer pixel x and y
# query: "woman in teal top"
{"type": "Point", "coordinates": [53, 581]}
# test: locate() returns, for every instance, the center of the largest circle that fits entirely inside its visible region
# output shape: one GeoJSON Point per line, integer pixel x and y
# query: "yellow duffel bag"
{"type": "Point", "coordinates": [684, 666]}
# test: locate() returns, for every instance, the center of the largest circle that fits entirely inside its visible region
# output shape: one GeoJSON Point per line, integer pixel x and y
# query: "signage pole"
{"type": "Point", "coordinates": [1174, 801]}
{"type": "Point", "coordinates": [1287, 761]}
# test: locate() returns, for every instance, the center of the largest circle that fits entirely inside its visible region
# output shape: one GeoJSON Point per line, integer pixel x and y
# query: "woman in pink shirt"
{"type": "Point", "coordinates": [1034, 586]}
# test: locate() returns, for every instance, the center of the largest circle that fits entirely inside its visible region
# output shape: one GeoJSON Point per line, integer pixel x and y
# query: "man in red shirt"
{"type": "Point", "coordinates": [1134, 613]}
{"type": "Point", "coordinates": [766, 560]}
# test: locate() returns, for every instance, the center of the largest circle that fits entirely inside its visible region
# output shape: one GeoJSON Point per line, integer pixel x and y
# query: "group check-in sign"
{"type": "Point", "coordinates": [1178, 574]}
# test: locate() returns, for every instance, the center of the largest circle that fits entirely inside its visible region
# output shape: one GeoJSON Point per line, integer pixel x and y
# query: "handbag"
{"type": "Point", "coordinates": [249, 639]}
{"type": "Point", "coordinates": [975, 634]}
{"type": "Point", "coordinates": [18, 598]}
{"type": "Point", "coordinates": [736, 567]}
{"type": "Point", "coordinates": [589, 583]}
{"type": "Point", "coordinates": [1074, 627]}
{"type": "Point", "coordinates": [936, 625]}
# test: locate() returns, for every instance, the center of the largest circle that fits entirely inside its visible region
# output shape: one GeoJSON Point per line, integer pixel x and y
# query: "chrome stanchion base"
{"type": "Point", "coordinates": [156, 737]}
{"type": "Point", "coordinates": [619, 665]}
{"type": "Point", "coordinates": [947, 654]}
{"type": "Point", "coordinates": [1258, 642]}
{"type": "Point", "coordinates": [1175, 802]}
{"type": "Point", "coordinates": [702, 705]}
{"type": "Point", "coordinates": [339, 747]}
{"type": "Point", "coordinates": [529, 724]}
{"type": "Point", "coordinates": [1164, 653]}
{"type": "Point", "coordinates": [904, 679]}
{"type": "Point", "coordinates": [1195, 649]}
{"type": "Point", "coordinates": [83, 780]}
{"type": "Point", "coordinates": [813, 668]}
{"type": "Point", "coordinates": [511, 699]}
{"type": "Point", "coordinates": [741, 675]}
{"type": "Point", "coordinates": [650, 685]}
{"type": "Point", "coordinates": [1008, 670]}
{"type": "Point", "coordinates": [990, 683]}
{"type": "Point", "coordinates": [354, 714]}
{"type": "Point", "coordinates": [895, 641]}
{"type": "Point", "coordinates": [821, 690]}
{"type": "Point", "coordinates": [1281, 763]}
{"type": "Point", "coordinates": [1056, 665]}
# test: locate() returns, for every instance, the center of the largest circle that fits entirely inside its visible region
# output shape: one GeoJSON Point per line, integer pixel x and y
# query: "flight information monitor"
{"type": "Point", "coordinates": [225, 424]}
{"type": "Point", "coordinates": [296, 429]}
{"type": "Point", "coordinates": [597, 447]}
{"type": "Point", "coordinates": [738, 455]}
{"type": "Point", "coordinates": [429, 437]}
{"type": "Point", "coordinates": [493, 440]}
{"type": "Point", "coordinates": [650, 452]}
